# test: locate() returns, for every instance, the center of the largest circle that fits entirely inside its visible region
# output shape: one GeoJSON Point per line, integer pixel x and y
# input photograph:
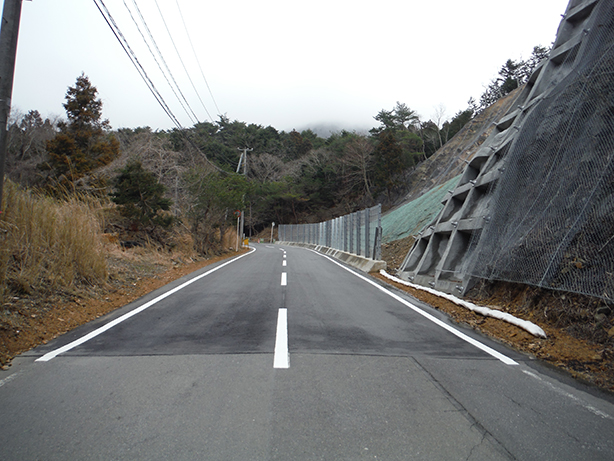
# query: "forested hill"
{"type": "Point", "coordinates": [197, 176]}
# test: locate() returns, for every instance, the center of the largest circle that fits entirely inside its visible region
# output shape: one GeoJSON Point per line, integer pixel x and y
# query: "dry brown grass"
{"type": "Point", "coordinates": [47, 244]}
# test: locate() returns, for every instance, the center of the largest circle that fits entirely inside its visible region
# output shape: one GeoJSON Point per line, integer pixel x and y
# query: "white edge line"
{"type": "Point", "coordinates": [577, 400]}
{"type": "Point", "coordinates": [10, 378]}
{"type": "Point", "coordinates": [503, 358]}
{"type": "Point", "coordinates": [281, 357]}
{"type": "Point", "coordinates": [108, 326]}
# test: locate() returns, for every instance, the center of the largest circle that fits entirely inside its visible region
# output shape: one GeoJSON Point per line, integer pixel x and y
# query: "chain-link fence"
{"type": "Point", "coordinates": [552, 219]}
{"type": "Point", "coordinates": [359, 233]}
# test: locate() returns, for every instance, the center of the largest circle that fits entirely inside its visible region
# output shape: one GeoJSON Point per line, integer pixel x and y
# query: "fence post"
{"type": "Point", "coordinates": [327, 233]}
{"type": "Point", "coordinates": [352, 233]}
{"type": "Point", "coordinates": [338, 233]}
{"type": "Point", "coordinates": [378, 242]}
{"type": "Point", "coordinates": [358, 236]}
{"type": "Point", "coordinates": [367, 233]}
{"type": "Point", "coordinates": [345, 233]}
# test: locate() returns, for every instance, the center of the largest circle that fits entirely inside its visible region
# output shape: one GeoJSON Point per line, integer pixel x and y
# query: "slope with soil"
{"type": "Point", "coordinates": [582, 347]}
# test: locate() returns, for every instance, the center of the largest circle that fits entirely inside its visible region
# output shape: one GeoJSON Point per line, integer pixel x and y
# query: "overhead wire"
{"type": "Point", "coordinates": [132, 56]}
{"type": "Point", "coordinates": [193, 116]}
{"type": "Point", "coordinates": [181, 60]}
{"type": "Point", "coordinates": [196, 56]}
{"type": "Point", "coordinates": [104, 11]}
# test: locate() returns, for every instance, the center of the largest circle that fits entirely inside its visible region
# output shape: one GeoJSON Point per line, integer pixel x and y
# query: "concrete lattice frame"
{"type": "Point", "coordinates": [442, 252]}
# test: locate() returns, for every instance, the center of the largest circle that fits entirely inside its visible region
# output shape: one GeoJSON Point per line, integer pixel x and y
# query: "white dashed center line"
{"type": "Point", "coordinates": [284, 279]}
{"type": "Point", "coordinates": [281, 358]}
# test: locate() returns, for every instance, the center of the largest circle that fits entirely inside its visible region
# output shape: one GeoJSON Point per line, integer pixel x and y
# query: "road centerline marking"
{"type": "Point", "coordinates": [284, 279]}
{"type": "Point", "coordinates": [281, 356]}
{"type": "Point", "coordinates": [283, 263]}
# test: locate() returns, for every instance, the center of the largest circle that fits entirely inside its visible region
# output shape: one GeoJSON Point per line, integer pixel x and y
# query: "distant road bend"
{"type": "Point", "coordinates": [283, 353]}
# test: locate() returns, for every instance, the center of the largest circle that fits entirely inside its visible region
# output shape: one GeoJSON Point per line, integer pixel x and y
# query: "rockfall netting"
{"type": "Point", "coordinates": [552, 223]}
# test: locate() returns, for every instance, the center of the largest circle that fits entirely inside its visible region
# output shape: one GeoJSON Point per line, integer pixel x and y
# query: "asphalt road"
{"type": "Point", "coordinates": [286, 354]}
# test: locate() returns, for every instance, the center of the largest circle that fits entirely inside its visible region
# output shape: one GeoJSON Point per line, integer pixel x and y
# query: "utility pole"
{"type": "Point", "coordinates": [244, 159]}
{"type": "Point", "coordinates": [9, 31]}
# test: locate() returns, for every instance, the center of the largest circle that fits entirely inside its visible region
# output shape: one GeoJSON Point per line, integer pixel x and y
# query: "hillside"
{"type": "Point", "coordinates": [580, 328]}
{"type": "Point", "coordinates": [451, 159]}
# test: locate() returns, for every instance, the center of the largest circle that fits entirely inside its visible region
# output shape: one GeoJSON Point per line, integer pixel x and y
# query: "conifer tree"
{"type": "Point", "coordinates": [83, 142]}
{"type": "Point", "coordinates": [141, 196]}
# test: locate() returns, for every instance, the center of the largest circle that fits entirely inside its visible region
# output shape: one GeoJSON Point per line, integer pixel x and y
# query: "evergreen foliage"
{"type": "Point", "coordinates": [289, 176]}
{"type": "Point", "coordinates": [141, 196]}
{"type": "Point", "coordinates": [512, 75]}
{"type": "Point", "coordinates": [83, 143]}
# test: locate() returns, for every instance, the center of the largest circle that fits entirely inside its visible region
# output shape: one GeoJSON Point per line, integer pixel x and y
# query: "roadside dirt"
{"type": "Point", "coordinates": [576, 343]}
{"type": "Point", "coordinates": [39, 319]}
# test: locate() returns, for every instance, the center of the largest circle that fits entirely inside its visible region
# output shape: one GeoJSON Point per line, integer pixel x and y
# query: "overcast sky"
{"type": "Point", "coordinates": [287, 64]}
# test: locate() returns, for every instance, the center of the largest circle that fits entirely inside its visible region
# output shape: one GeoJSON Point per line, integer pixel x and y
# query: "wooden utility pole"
{"type": "Point", "coordinates": [9, 31]}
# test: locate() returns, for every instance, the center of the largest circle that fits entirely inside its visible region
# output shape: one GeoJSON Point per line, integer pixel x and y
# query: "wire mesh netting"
{"type": "Point", "coordinates": [358, 233]}
{"type": "Point", "coordinates": [552, 223]}
{"type": "Point", "coordinates": [412, 217]}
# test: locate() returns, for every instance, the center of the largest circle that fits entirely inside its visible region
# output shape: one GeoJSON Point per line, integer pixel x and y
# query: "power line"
{"type": "Point", "coordinates": [132, 56]}
{"type": "Point", "coordinates": [181, 60]}
{"type": "Point", "coordinates": [124, 43]}
{"type": "Point", "coordinates": [196, 56]}
{"type": "Point", "coordinates": [170, 74]}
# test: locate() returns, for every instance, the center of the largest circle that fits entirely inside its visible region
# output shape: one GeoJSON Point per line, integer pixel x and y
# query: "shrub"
{"type": "Point", "coordinates": [47, 244]}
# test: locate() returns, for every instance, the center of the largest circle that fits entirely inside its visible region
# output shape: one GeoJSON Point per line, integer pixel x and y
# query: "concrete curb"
{"type": "Point", "coordinates": [359, 262]}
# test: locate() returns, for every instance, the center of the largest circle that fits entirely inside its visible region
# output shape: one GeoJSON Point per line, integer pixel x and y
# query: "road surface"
{"type": "Point", "coordinates": [286, 354]}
